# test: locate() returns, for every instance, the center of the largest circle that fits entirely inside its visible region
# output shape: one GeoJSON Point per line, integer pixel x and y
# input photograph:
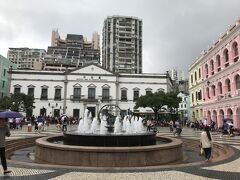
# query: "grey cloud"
{"type": "Point", "coordinates": [174, 31]}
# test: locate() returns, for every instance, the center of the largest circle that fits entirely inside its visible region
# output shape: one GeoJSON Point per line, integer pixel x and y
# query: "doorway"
{"type": "Point", "coordinates": [92, 110]}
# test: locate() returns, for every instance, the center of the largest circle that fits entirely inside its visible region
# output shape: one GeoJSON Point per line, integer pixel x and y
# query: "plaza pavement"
{"type": "Point", "coordinates": [229, 169]}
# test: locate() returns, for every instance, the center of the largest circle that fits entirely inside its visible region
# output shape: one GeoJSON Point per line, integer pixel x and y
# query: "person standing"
{"type": "Point", "coordinates": [149, 125]}
{"type": "Point", "coordinates": [4, 131]}
{"type": "Point", "coordinates": [64, 123]}
{"type": "Point", "coordinates": [206, 143]}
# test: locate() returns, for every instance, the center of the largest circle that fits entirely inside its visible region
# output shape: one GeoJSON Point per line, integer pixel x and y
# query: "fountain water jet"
{"type": "Point", "coordinates": [120, 142]}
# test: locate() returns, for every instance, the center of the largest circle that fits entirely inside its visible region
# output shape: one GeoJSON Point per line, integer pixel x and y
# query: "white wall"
{"type": "Point", "coordinates": [85, 78]}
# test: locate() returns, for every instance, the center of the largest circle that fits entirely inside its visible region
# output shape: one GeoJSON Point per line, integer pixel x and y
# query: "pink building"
{"type": "Point", "coordinates": [221, 78]}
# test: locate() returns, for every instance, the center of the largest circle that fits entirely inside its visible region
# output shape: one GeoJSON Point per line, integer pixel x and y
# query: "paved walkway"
{"type": "Point", "coordinates": [229, 169]}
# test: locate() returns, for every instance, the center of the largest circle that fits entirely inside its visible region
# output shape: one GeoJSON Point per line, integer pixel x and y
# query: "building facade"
{"type": "Point", "coordinates": [220, 67]}
{"type": "Point", "coordinates": [122, 44]}
{"type": "Point", "coordinates": [5, 65]}
{"type": "Point", "coordinates": [183, 106]}
{"type": "Point", "coordinates": [26, 58]}
{"type": "Point", "coordinates": [196, 90]}
{"type": "Point", "coordinates": [72, 52]}
{"type": "Point", "coordinates": [91, 86]}
{"type": "Point", "coordinates": [176, 75]}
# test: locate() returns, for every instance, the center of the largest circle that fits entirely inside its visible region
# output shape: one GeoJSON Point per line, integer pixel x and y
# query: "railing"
{"type": "Point", "coordinates": [236, 59]}
{"type": "Point", "coordinates": [220, 97]}
{"type": "Point", "coordinates": [105, 99]}
{"type": "Point", "coordinates": [89, 99]}
{"type": "Point", "coordinates": [57, 98]}
{"type": "Point", "coordinates": [75, 98]}
{"type": "Point", "coordinates": [228, 95]}
{"type": "Point", "coordinates": [43, 98]}
{"type": "Point", "coordinates": [237, 92]}
{"type": "Point", "coordinates": [86, 98]}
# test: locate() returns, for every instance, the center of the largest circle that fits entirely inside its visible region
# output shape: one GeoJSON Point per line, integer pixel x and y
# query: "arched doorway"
{"type": "Point", "coordinates": [238, 118]}
{"type": "Point", "coordinates": [237, 83]}
{"type": "Point", "coordinates": [214, 117]}
{"type": "Point", "coordinates": [229, 113]}
{"type": "Point", "coordinates": [220, 118]}
{"type": "Point", "coordinates": [209, 117]}
{"type": "Point", "coordinates": [193, 116]}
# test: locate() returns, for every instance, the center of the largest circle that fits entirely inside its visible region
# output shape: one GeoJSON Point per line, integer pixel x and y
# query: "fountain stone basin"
{"type": "Point", "coordinates": [95, 156]}
{"type": "Point", "coordinates": [109, 139]}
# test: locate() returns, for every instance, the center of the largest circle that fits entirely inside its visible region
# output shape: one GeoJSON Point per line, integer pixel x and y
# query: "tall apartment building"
{"type": "Point", "coordinates": [176, 75]}
{"type": "Point", "coordinates": [215, 80]}
{"type": "Point", "coordinates": [72, 52]}
{"type": "Point", "coordinates": [122, 44]}
{"type": "Point", "coordinates": [26, 58]}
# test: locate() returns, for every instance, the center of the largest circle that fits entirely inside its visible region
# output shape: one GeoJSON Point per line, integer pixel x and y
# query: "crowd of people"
{"type": "Point", "coordinates": [227, 128]}
{"type": "Point", "coordinates": [41, 123]}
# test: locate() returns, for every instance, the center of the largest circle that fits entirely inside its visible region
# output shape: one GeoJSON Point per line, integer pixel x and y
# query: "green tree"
{"type": "Point", "coordinates": [156, 101]}
{"type": "Point", "coordinates": [5, 103]}
{"type": "Point", "coordinates": [172, 102]}
{"type": "Point", "coordinates": [17, 102]}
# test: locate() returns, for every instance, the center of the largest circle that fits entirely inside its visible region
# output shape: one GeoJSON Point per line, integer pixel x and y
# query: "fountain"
{"type": "Point", "coordinates": [109, 141]}
{"type": "Point", "coordinates": [110, 133]}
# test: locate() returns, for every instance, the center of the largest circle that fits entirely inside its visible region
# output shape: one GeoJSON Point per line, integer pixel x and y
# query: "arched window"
{"type": "Point", "coordinates": [212, 66]}
{"type": "Point", "coordinates": [226, 55]}
{"type": "Point", "coordinates": [218, 61]}
{"type": "Point", "coordinates": [220, 88]}
{"type": "Point", "coordinates": [228, 86]}
{"type": "Point", "coordinates": [237, 82]}
{"type": "Point", "coordinates": [206, 70]}
{"type": "Point", "coordinates": [213, 90]}
{"type": "Point", "coordinates": [235, 49]}
{"type": "Point", "coordinates": [200, 95]}
{"type": "Point", "coordinates": [208, 94]}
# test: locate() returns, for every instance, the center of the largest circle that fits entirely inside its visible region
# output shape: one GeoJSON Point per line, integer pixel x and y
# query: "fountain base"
{"type": "Point", "coordinates": [89, 156]}
{"type": "Point", "coordinates": [109, 140]}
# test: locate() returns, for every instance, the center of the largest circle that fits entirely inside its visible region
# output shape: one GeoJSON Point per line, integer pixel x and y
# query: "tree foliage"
{"type": "Point", "coordinates": [17, 102]}
{"type": "Point", "coordinates": [158, 101]}
{"type": "Point", "coordinates": [155, 101]}
{"type": "Point", "coordinates": [172, 101]}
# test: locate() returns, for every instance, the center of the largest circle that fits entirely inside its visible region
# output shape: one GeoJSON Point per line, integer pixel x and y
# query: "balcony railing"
{"type": "Point", "coordinates": [43, 98]}
{"type": "Point", "coordinates": [75, 97]}
{"type": "Point", "coordinates": [57, 98]}
{"type": "Point", "coordinates": [87, 98]}
{"type": "Point", "coordinates": [228, 95]}
{"type": "Point", "coordinates": [220, 97]}
{"type": "Point", "coordinates": [105, 98]}
{"type": "Point", "coordinates": [237, 92]}
{"type": "Point", "coordinates": [236, 59]}
{"type": "Point", "coordinates": [123, 98]}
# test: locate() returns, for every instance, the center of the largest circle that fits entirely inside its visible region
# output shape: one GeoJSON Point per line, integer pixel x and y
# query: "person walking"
{"type": "Point", "coordinates": [206, 142]}
{"type": "Point", "coordinates": [4, 131]}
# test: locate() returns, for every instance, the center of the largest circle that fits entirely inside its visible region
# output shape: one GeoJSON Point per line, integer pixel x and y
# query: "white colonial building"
{"type": "Point", "coordinates": [91, 86]}
{"type": "Point", "coordinates": [183, 105]}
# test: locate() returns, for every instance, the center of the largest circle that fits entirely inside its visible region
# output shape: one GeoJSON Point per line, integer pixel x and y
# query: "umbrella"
{"type": "Point", "coordinates": [230, 124]}
{"type": "Point", "coordinates": [10, 114]}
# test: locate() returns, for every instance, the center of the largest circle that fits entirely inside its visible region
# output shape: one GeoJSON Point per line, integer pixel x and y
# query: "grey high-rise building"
{"type": "Point", "coordinates": [122, 44]}
{"type": "Point", "coordinates": [72, 52]}
{"type": "Point", "coordinates": [26, 58]}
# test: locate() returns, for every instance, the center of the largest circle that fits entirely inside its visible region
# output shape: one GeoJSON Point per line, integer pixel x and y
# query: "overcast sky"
{"type": "Point", "coordinates": [174, 31]}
